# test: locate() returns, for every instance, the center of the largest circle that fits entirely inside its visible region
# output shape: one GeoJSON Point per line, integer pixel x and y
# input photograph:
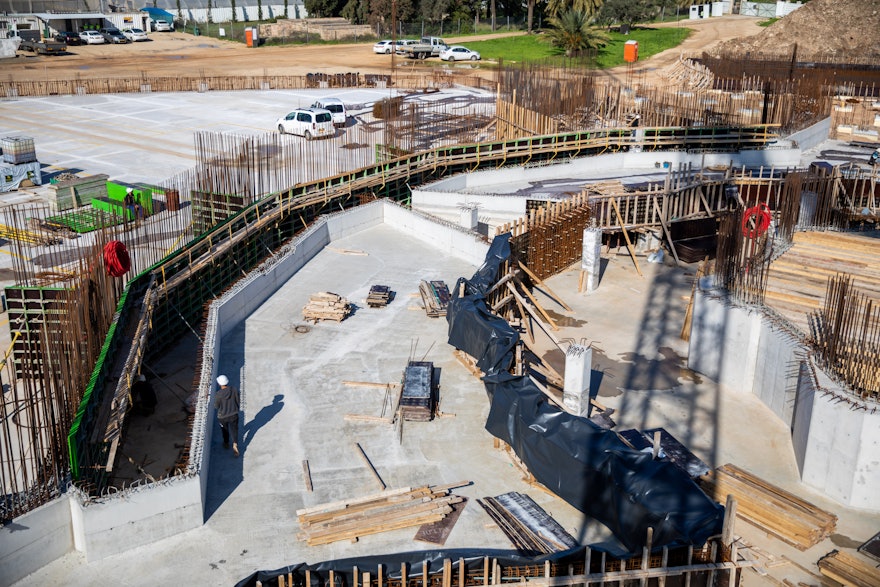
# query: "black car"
{"type": "Point", "coordinates": [68, 38]}
{"type": "Point", "coordinates": [113, 36]}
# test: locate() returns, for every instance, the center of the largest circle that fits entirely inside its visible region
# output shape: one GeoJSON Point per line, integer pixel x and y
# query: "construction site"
{"type": "Point", "coordinates": [518, 325]}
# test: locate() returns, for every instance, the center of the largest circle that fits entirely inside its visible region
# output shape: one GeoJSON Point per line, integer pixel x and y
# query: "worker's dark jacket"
{"type": "Point", "coordinates": [227, 404]}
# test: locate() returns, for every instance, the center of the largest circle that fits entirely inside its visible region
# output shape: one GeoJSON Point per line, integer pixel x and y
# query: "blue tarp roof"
{"type": "Point", "coordinates": [158, 14]}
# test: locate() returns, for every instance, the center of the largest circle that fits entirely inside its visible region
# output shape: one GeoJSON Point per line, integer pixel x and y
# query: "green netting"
{"type": "Point", "coordinates": [86, 220]}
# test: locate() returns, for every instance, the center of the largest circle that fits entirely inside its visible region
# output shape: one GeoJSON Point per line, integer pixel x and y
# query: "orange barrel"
{"type": "Point", "coordinates": [172, 200]}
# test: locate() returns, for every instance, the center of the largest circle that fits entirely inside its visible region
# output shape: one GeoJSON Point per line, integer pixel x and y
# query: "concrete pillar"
{"type": "Point", "coordinates": [591, 262]}
{"type": "Point", "coordinates": [576, 388]}
{"type": "Point", "coordinates": [468, 217]}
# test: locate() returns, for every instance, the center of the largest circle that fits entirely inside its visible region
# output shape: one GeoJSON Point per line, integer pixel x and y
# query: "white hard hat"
{"type": "Point", "coordinates": [129, 190]}
{"type": "Point", "coordinates": [223, 380]}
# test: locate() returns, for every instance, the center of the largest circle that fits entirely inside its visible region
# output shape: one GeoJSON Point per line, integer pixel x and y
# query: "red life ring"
{"type": "Point", "coordinates": [116, 259]}
{"type": "Point", "coordinates": [756, 221]}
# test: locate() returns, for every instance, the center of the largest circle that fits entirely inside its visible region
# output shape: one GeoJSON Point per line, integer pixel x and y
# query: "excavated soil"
{"type": "Point", "coordinates": [838, 29]}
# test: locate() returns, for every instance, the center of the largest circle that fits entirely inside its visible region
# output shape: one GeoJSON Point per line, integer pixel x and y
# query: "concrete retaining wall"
{"type": "Point", "coordinates": [813, 135]}
{"type": "Point", "coordinates": [835, 445]}
{"type": "Point", "coordinates": [144, 515]}
{"type": "Point", "coordinates": [588, 166]}
{"type": "Point", "coordinates": [34, 540]}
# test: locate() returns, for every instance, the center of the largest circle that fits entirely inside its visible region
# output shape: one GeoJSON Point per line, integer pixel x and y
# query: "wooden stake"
{"type": "Point", "coordinates": [307, 475]}
{"type": "Point", "coordinates": [546, 287]}
{"type": "Point", "coordinates": [629, 246]}
{"type": "Point", "coordinates": [370, 465]}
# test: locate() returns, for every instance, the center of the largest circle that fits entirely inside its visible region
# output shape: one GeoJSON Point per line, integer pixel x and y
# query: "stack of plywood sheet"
{"type": "Point", "coordinates": [326, 306]}
{"type": "Point", "coordinates": [526, 524]}
{"type": "Point", "coordinates": [379, 296]}
{"type": "Point", "coordinates": [848, 569]}
{"type": "Point", "coordinates": [774, 510]}
{"type": "Point", "coordinates": [380, 512]}
{"type": "Point", "coordinates": [417, 392]}
{"type": "Point", "coordinates": [435, 296]}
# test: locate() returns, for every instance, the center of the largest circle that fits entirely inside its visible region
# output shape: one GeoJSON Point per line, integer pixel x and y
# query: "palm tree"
{"type": "Point", "coordinates": [588, 7]}
{"type": "Point", "coordinates": [572, 32]}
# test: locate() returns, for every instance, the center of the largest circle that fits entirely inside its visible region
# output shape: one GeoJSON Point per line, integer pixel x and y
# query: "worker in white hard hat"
{"type": "Point", "coordinates": [228, 404]}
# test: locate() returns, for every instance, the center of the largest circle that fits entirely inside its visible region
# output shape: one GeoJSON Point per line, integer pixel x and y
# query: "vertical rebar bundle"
{"type": "Point", "coordinates": [846, 334]}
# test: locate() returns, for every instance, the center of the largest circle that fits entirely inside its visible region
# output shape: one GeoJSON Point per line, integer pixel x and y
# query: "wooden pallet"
{"type": "Point", "coordinates": [771, 508]}
{"type": "Point", "coordinates": [849, 570]}
{"type": "Point", "coordinates": [379, 296]}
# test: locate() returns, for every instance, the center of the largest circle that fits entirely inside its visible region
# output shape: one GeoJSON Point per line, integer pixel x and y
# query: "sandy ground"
{"type": "Point", "coordinates": [180, 53]}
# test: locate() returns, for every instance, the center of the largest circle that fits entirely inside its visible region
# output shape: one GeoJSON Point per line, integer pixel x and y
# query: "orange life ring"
{"type": "Point", "coordinates": [756, 221]}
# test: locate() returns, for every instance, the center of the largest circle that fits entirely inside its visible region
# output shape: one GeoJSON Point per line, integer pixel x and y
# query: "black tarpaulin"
{"type": "Point", "coordinates": [589, 467]}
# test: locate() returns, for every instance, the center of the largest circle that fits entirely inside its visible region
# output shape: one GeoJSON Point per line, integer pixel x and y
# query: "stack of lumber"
{"type": "Point", "coordinates": [774, 510]}
{"type": "Point", "coordinates": [797, 281]}
{"type": "Point", "coordinates": [417, 392]}
{"type": "Point", "coordinates": [435, 296]}
{"type": "Point", "coordinates": [380, 512]}
{"type": "Point", "coordinates": [848, 569]}
{"type": "Point", "coordinates": [526, 524]}
{"type": "Point", "coordinates": [326, 306]}
{"type": "Point", "coordinates": [379, 296]}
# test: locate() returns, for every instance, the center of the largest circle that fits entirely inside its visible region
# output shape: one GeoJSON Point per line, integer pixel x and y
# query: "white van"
{"type": "Point", "coordinates": [310, 123]}
{"type": "Point", "coordinates": [336, 108]}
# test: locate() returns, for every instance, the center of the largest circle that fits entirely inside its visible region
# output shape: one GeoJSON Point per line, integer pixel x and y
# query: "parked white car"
{"type": "Point", "coordinates": [310, 123]}
{"type": "Point", "coordinates": [91, 38]}
{"type": "Point", "coordinates": [162, 26]}
{"type": "Point", "coordinates": [336, 108]}
{"type": "Point", "coordinates": [386, 47]}
{"type": "Point", "coordinates": [135, 35]}
{"type": "Point", "coordinates": [459, 53]}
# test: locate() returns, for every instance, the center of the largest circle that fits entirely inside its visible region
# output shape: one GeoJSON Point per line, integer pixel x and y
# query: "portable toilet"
{"type": "Point", "coordinates": [631, 51]}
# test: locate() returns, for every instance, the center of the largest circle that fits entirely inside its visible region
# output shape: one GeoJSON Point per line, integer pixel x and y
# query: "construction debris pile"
{"type": "Point", "coordinates": [774, 510]}
{"type": "Point", "coordinates": [326, 306]}
{"type": "Point", "coordinates": [376, 513]}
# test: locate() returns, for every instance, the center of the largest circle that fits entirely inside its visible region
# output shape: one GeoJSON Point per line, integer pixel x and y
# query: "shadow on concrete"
{"type": "Point", "coordinates": [262, 418]}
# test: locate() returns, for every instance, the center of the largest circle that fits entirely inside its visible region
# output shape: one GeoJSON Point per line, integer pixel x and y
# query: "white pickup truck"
{"type": "Point", "coordinates": [427, 47]}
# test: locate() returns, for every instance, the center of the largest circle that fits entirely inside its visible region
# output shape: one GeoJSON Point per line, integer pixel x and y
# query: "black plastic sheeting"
{"type": "Point", "coordinates": [391, 563]}
{"type": "Point", "coordinates": [589, 467]}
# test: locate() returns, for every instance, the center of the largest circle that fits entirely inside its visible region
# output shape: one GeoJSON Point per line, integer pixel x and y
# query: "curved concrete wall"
{"type": "Point", "coordinates": [835, 445]}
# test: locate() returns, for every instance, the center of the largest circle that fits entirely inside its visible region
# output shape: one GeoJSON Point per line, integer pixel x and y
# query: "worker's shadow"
{"type": "Point", "coordinates": [261, 418]}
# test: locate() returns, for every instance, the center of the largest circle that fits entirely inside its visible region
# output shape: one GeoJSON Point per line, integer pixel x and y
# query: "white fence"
{"type": "Point", "coordinates": [768, 10]}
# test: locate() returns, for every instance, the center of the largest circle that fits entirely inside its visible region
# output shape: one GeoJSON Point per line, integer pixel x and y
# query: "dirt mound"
{"type": "Point", "coordinates": [822, 29]}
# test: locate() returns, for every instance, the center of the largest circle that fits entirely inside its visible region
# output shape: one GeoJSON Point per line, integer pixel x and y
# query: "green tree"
{"type": "Point", "coordinates": [234, 11]}
{"type": "Point", "coordinates": [571, 32]}
{"type": "Point", "coordinates": [380, 12]}
{"type": "Point", "coordinates": [210, 15]}
{"type": "Point", "coordinates": [179, 12]}
{"type": "Point", "coordinates": [259, 9]}
{"type": "Point", "coordinates": [285, 9]}
{"type": "Point", "coordinates": [322, 8]}
{"type": "Point", "coordinates": [626, 12]}
{"type": "Point", "coordinates": [355, 11]}
{"type": "Point", "coordinates": [588, 7]}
